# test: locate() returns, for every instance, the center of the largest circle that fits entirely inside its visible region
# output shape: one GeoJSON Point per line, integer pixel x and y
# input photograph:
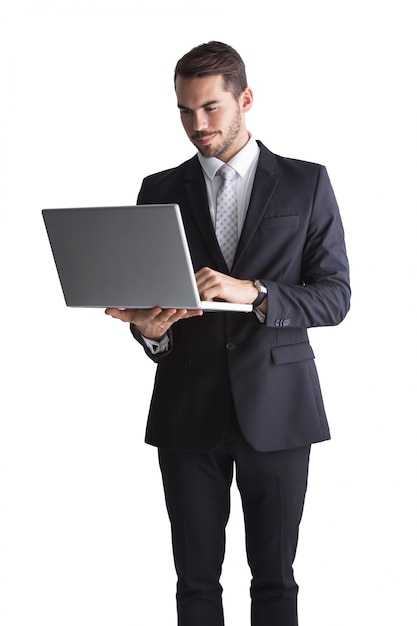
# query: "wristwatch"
{"type": "Point", "coordinates": [263, 292]}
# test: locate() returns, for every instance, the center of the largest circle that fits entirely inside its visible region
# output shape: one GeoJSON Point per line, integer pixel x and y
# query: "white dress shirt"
{"type": "Point", "coordinates": [244, 162]}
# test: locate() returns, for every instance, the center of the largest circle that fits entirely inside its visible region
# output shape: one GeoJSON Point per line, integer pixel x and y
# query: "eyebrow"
{"type": "Point", "coordinates": [202, 106]}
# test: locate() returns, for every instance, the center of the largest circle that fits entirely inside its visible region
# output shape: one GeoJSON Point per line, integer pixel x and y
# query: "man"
{"type": "Point", "coordinates": [239, 391]}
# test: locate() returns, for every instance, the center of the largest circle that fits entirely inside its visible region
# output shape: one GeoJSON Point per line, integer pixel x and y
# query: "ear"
{"type": "Point", "coordinates": [246, 99]}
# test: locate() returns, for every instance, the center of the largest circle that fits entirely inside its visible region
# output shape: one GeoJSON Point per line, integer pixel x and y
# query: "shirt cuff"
{"type": "Point", "coordinates": [261, 316]}
{"type": "Point", "coordinates": [157, 346]}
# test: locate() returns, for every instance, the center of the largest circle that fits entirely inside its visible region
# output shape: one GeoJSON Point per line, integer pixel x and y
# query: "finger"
{"type": "Point", "coordinates": [133, 315]}
{"type": "Point", "coordinates": [176, 315]}
{"type": "Point", "coordinates": [183, 314]}
{"type": "Point", "coordinates": [195, 312]}
{"type": "Point", "coordinates": [206, 273]}
{"type": "Point", "coordinates": [166, 316]}
{"type": "Point", "coordinates": [203, 270]}
{"type": "Point", "coordinates": [192, 313]}
{"type": "Point", "coordinates": [206, 281]}
{"type": "Point", "coordinates": [120, 314]}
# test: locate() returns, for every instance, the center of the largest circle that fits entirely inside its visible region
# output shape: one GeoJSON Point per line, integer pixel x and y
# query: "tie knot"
{"type": "Point", "coordinates": [226, 172]}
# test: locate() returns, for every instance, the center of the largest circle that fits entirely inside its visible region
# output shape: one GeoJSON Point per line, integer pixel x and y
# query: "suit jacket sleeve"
{"type": "Point", "coordinates": [323, 297]}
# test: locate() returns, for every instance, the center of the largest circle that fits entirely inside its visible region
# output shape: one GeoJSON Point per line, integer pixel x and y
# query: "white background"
{"type": "Point", "coordinates": [87, 110]}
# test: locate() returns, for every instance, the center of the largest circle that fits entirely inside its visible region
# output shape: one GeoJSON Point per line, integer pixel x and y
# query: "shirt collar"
{"type": "Point", "coordinates": [240, 162]}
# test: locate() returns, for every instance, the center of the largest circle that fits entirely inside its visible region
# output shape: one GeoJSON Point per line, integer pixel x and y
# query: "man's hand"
{"type": "Point", "coordinates": [213, 285]}
{"type": "Point", "coordinates": [152, 323]}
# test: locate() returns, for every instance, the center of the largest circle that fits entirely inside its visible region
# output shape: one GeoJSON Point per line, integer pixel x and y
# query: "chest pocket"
{"type": "Point", "coordinates": [280, 221]}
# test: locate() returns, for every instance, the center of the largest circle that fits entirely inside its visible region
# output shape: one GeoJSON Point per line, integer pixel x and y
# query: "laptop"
{"type": "Point", "coordinates": [125, 257]}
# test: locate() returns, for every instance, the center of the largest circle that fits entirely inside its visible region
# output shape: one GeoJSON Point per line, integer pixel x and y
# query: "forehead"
{"type": "Point", "coordinates": [195, 92]}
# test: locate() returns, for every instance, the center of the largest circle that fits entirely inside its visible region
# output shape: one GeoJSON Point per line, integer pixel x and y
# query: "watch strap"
{"type": "Point", "coordinates": [262, 293]}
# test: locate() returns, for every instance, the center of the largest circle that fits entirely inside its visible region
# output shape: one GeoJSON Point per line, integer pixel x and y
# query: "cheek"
{"type": "Point", "coordinates": [217, 120]}
{"type": "Point", "coordinates": [223, 122]}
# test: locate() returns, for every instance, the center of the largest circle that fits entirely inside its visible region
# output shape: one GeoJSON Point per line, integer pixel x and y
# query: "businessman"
{"type": "Point", "coordinates": [239, 392]}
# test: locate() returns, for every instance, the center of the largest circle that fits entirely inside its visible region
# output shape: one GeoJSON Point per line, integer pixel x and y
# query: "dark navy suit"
{"type": "Point", "coordinates": [229, 378]}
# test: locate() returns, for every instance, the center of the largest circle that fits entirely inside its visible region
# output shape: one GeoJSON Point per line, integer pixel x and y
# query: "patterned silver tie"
{"type": "Point", "coordinates": [226, 214]}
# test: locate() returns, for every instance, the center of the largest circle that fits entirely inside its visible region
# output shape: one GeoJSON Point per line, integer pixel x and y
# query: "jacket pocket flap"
{"type": "Point", "coordinates": [292, 353]}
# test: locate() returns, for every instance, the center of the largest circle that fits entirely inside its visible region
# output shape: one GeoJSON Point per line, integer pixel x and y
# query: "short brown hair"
{"type": "Point", "coordinates": [213, 58]}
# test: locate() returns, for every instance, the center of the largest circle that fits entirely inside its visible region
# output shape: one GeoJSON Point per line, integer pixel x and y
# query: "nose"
{"type": "Point", "coordinates": [199, 121]}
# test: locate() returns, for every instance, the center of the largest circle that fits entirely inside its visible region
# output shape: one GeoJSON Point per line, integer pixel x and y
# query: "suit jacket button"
{"type": "Point", "coordinates": [230, 346]}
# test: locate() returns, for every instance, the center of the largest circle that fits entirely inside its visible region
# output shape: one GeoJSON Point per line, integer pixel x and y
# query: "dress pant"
{"type": "Point", "coordinates": [272, 486]}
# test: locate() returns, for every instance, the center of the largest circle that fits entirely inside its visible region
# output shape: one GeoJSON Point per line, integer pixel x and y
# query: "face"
{"type": "Point", "coordinates": [212, 117]}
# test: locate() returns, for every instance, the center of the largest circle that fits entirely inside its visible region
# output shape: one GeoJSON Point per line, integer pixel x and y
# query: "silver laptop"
{"type": "Point", "coordinates": [128, 257]}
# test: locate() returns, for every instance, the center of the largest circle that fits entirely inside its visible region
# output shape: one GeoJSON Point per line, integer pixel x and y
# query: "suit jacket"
{"type": "Point", "coordinates": [293, 241]}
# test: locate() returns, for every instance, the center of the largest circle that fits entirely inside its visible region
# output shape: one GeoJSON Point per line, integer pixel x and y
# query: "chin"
{"type": "Point", "coordinates": [207, 151]}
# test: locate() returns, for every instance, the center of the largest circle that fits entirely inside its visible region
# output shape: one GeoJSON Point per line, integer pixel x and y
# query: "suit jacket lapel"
{"type": "Point", "coordinates": [266, 180]}
{"type": "Point", "coordinates": [196, 192]}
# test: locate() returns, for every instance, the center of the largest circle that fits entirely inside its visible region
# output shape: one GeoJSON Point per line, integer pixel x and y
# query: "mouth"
{"type": "Point", "coordinates": [204, 139]}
